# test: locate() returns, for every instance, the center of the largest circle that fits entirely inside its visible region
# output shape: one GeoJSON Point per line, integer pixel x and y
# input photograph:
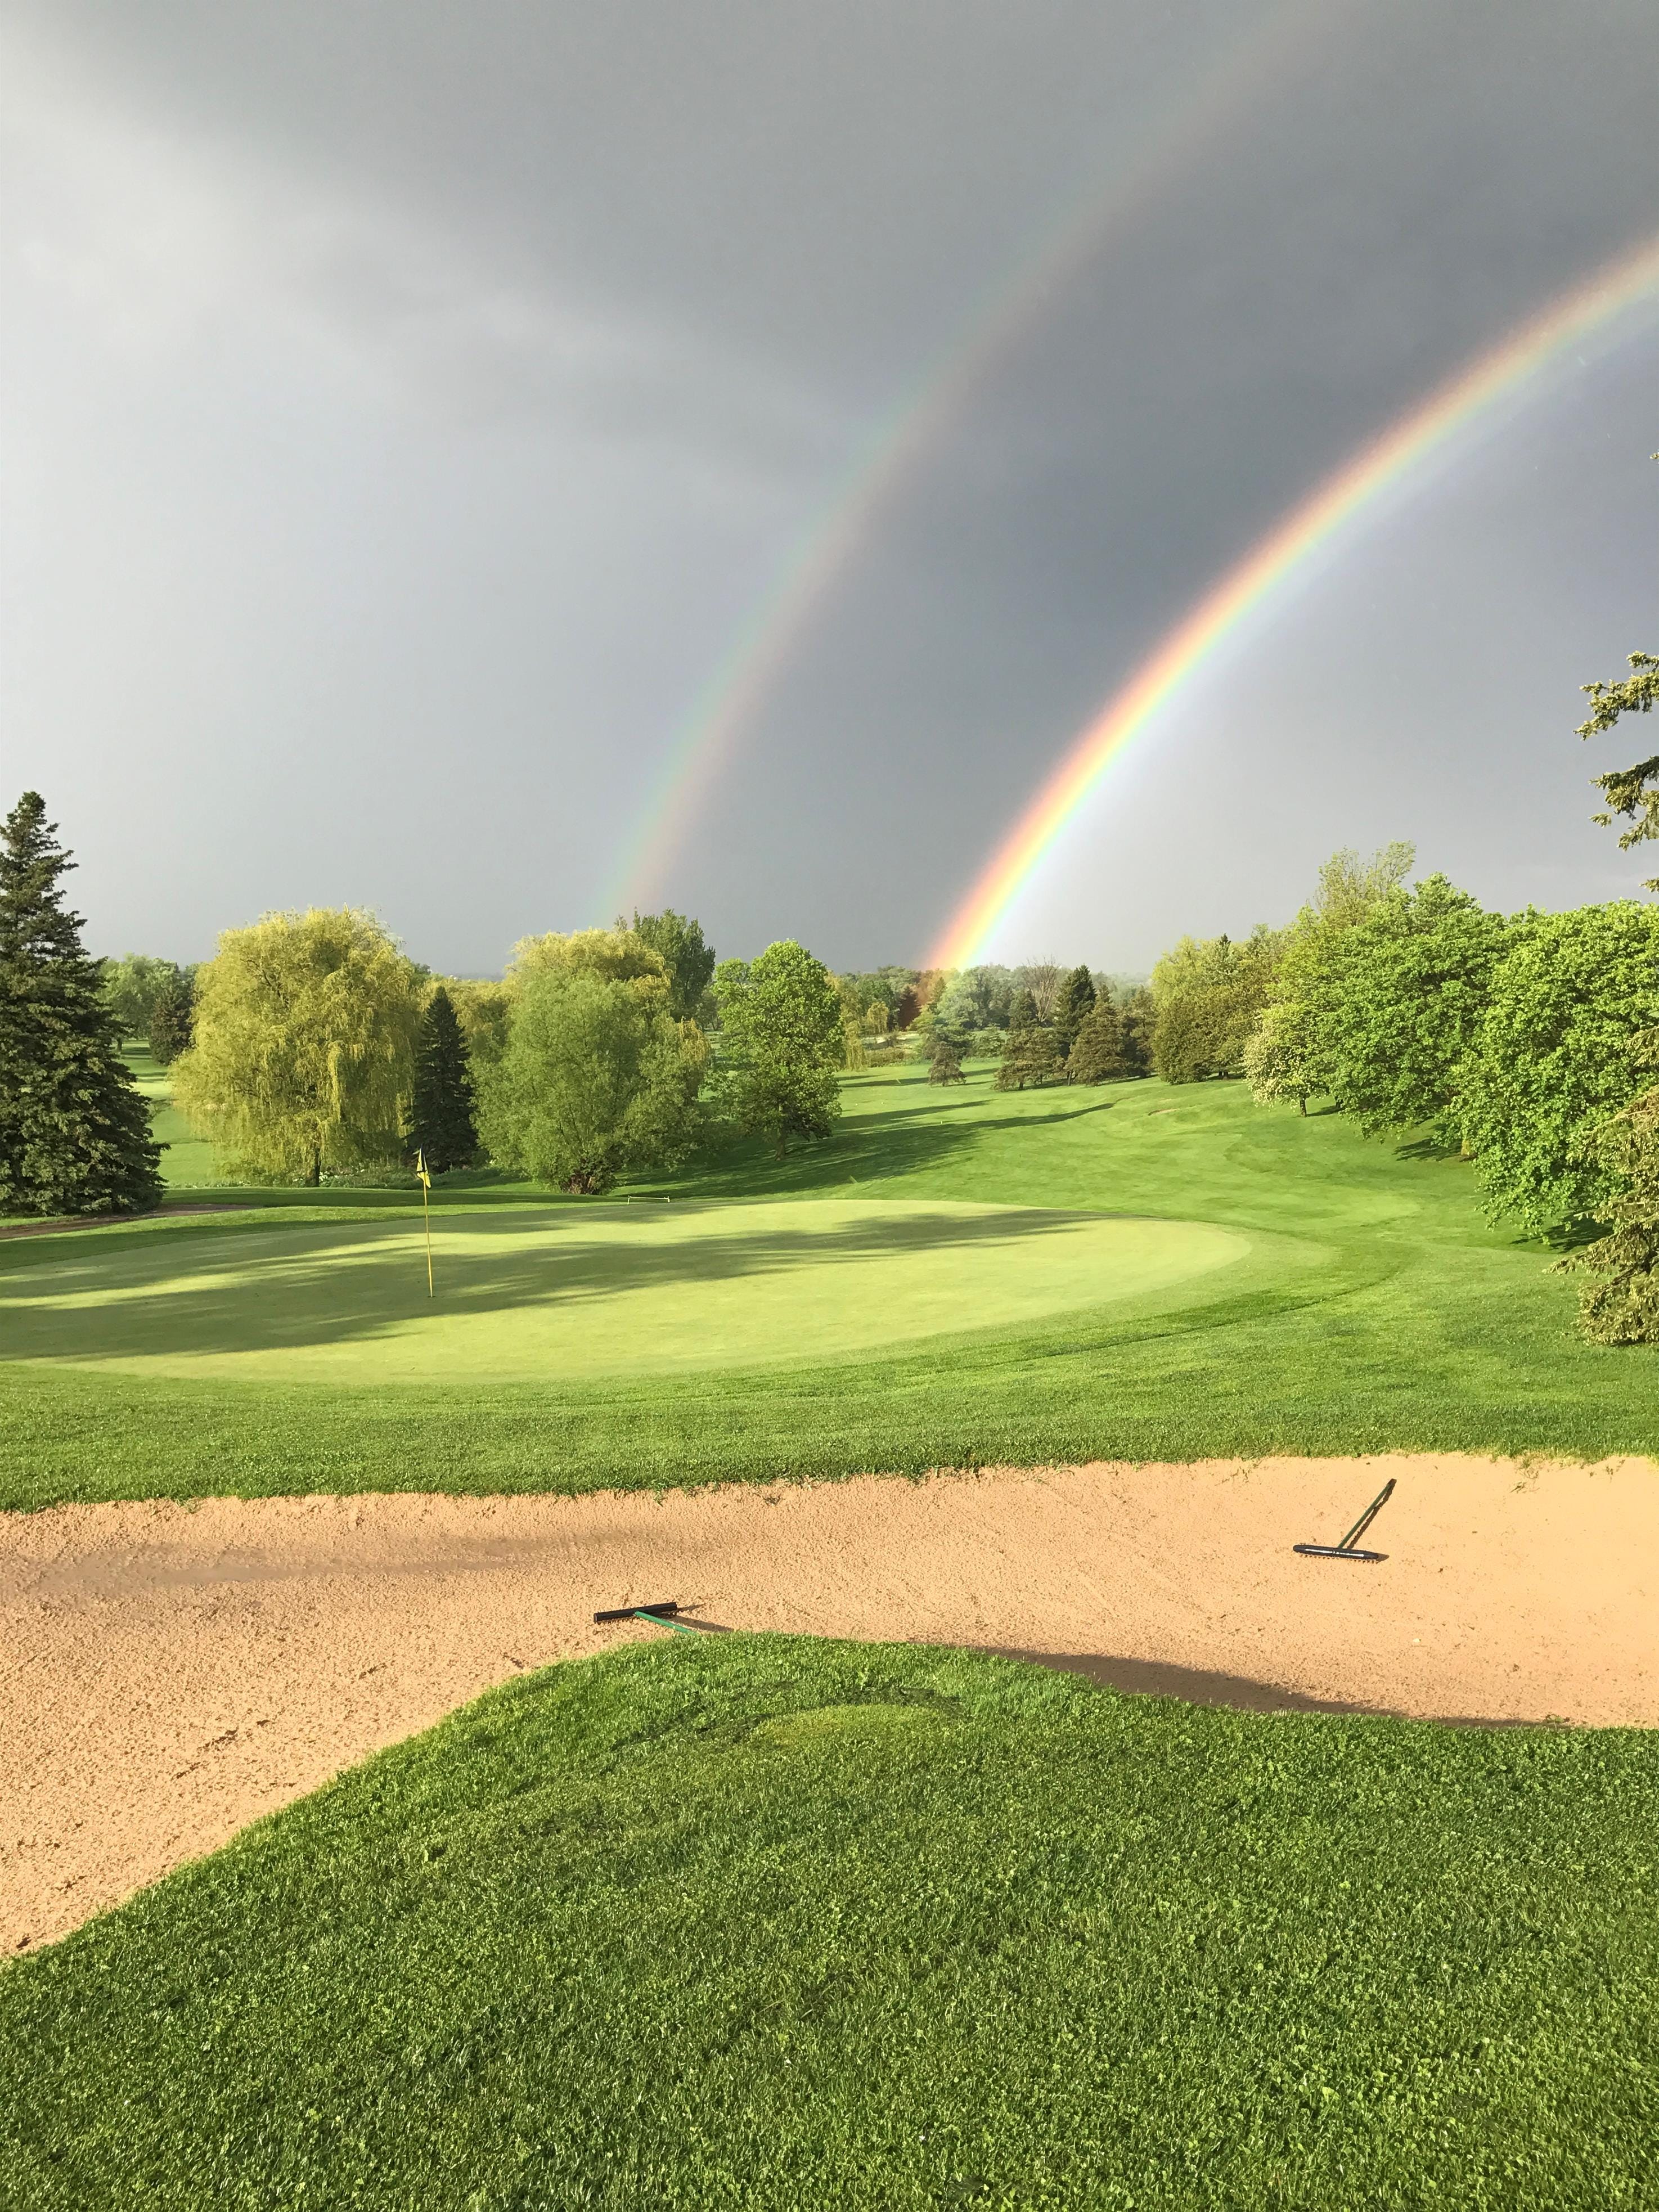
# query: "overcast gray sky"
{"type": "Point", "coordinates": [407, 407]}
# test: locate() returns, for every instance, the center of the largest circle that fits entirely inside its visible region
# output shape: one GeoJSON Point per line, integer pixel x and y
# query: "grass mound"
{"type": "Point", "coordinates": [766, 1921]}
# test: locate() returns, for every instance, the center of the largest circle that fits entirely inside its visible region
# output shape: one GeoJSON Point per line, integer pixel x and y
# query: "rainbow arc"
{"type": "Point", "coordinates": [1249, 591]}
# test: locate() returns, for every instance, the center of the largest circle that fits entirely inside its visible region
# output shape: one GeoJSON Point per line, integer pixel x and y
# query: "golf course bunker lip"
{"type": "Point", "coordinates": [176, 1671]}
{"type": "Point", "coordinates": [534, 1293]}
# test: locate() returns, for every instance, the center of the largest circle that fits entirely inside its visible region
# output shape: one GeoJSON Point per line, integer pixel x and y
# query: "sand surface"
{"type": "Point", "coordinates": [171, 1672]}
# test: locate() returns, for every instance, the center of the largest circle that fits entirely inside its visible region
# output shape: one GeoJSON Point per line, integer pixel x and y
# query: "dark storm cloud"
{"type": "Point", "coordinates": [410, 402]}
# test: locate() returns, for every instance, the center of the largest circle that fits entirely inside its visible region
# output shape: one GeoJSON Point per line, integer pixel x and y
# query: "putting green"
{"type": "Point", "coordinates": [537, 1293]}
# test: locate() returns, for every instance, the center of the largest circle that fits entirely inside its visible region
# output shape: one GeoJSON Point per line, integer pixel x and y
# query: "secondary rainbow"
{"type": "Point", "coordinates": [729, 704]}
{"type": "Point", "coordinates": [1285, 554]}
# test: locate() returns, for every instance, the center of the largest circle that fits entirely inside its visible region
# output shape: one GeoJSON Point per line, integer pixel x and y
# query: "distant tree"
{"type": "Point", "coordinates": [1096, 1053]}
{"type": "Point", "coordinates": [1285, 1057]}
{"type": "Point", "coordinates": [1071, 1007]}
{"type": "Point", "coordinates": [946, 1065]}
{"type": "Point", "coordinates": [1042, 979]}
{"type": "Point", "coordinates": [1208, 995]}
{"type": "Point", "coordinates": [1137, 1024]}
{"type": "Point", "coordinates": [133, 986]}
{"type": "Point", "coordinates": [782, 1014]}
{"type": "Point", "coordinates": [1021, 1011]}
{"type": "Point", "coordinates": [1416, 980]}
{"type": "Point", "coordinates": [595, 1079]}
{"type": "Point", "coordinates": [977, 998]}
{"type": "Point", "coordinates": [680, 945]}
{"type": "Point", "coordinates": [304, 1047]}
{"type": "Point", "coordinates": [75, 1133]}
{"type": "Point", "coordinates": [613, 955]}
{"type": "Point", "coordinates": [484, 1009]}
{"type": "Point", "coordinates": [987, 1044]}
{"type": "Point", "coordinates": [1561, 1050]}
{"type": "Point", "coordinates": [1032, 1060]}
{"type": "Point", "coordinates": [441, 1123]}
{"type": "Point", "coordinates": [1622, 1306]}
{"type": "Point", "coordinates": [173, 1019]}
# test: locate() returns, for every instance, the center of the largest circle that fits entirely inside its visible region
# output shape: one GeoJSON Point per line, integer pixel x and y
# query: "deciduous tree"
{"type": "Point", "coordinates": [1560, 1051]}
{"type": "Point", "coordinates": [75, 1134]}
{"type": "Point", "coordinates": [133, 985]}
{"type": "Point", "coordinates": [1416, 979]}
{"type": "Point", "coordinates": [594, 1080]}
{"type": "Point", "coordinates": [689, 959]}
{"type": "Point", "coordinates": [304, 1046]}
{"type": "Point", "coordinates": [781, 1014]}
{"type": "Point", "coordinates": [1208, 995]}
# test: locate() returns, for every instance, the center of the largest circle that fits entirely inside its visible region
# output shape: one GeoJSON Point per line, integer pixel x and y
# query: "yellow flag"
{"type": "Point", "coordinates": [420, 1170]}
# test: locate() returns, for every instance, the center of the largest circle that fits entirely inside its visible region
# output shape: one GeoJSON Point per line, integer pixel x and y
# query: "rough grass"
{"type": "Point", "coordinates": [764, 1922]}
{"type": "Point", "coordinates": [1376, 1311]}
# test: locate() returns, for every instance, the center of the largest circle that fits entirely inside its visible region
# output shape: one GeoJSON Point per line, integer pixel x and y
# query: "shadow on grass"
{"type": "Point", "coordinates": [279, 1299]}
{"type": "Point", "coordinates": [1200, 1685]}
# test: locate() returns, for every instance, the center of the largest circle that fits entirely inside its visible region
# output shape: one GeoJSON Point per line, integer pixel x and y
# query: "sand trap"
{"type": "Point", "coordinates": [171, 1672]}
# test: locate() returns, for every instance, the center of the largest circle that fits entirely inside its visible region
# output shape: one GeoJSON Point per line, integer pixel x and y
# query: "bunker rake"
{"type": "Point", "coordinates": [1347, 1548]}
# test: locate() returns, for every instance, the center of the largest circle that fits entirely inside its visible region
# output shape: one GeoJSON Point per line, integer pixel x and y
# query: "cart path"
{"type": "Point", "coordinates": [169, 1672]}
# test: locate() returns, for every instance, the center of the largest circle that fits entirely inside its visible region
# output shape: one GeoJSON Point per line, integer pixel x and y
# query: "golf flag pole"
{"type": "Point", "coordinates": [426, 1213]}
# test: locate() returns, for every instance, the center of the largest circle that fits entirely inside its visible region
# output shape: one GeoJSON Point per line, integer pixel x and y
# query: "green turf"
{"type": "Point", "coordinates": [1372, 1310]}
{"type": "Point", "coordinates": [530, 1293]}
{"type": "Point", "coordinates": [761, 1922]}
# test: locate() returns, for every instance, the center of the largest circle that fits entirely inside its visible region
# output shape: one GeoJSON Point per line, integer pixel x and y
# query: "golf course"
{"type": "Point", "coordinates": [764, 1919]}
{"type": "Point", "coordinates": [1142, 1272]}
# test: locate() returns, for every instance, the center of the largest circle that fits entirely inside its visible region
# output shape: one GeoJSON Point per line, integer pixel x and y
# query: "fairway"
{"type": "Point", "coordinates": [538, 1293]}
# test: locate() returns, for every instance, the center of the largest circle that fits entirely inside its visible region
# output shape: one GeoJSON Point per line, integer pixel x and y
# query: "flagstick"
{"type": "Point", "coordinates": [426, 1215]}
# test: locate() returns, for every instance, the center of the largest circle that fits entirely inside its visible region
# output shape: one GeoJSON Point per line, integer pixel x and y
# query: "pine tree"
{"type": "Point", "coordinates": [1032, 1059]}
{"type": "Point", "coordinates": [75, 1133]}
{"type": "Point", "coordinates": [947, 1064]}
{"type": "Point", "coordinates": [441, 1117]}
{"type": "Point", "coordinates": [172, 1022]}
{"type": "Point", "coordinates": [1071, 1008]}
{"type": "Point", "coordinates": [1096, 1054]}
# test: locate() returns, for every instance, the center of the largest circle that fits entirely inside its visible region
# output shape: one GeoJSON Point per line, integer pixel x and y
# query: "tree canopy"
{"type": "Point", "coordinates": [688, 959]}
{"type": "Point", "coordinates": [782, 1014]}
{"type": "Point", "coordinates": [595, 1079]}
{"type": "Point", "coordinates": [133, 986]}
{"type": "Point", "coordinates": [1208, 994]}
{"type": "Point", "coordinates": [75, 1135]}
{"type": "Point", "coordinates": [1560, 1050]}
{"type": "Point", "coordinates": [304, 1046]}
{"type": "Point", "coordinates": [1416, 974]}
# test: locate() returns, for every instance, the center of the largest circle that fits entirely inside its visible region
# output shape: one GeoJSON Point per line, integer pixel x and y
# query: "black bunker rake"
{"type": "Point", "coordinates": [1348, 1549]}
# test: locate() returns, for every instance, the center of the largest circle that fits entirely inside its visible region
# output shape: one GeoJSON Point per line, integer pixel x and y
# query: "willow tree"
{"type": "Point", "coordinates": [303, 1058]}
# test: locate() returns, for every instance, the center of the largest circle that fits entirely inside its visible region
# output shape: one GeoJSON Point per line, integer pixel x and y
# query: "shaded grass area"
{"type": "Point", "coordinates": [1377, 1311]}
{"type": "Point", "coordinates": [765, 1922]}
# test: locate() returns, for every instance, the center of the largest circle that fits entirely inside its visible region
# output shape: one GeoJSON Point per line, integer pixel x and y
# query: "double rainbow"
{"type": "Point", "coordinates": [1248, 591]}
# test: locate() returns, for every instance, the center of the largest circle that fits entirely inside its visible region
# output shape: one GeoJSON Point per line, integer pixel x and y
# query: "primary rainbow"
{"type": "Point", "coordinates": [1287, 550]}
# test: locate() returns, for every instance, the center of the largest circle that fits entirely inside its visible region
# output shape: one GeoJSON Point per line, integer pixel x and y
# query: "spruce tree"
{"type": "Point", "coordinates": [440, 1118]}
{"type": "Point", "coordinates": [947, 1063]}
{"type": "Point", "coordinates": [1096, 1054]}
{"type": "Point", "coordinates": [172, 1022]}
{"type": "Point", "coordinates": [75, 1133]}
{"type": "Point", "coordinates": [1071, 1008]}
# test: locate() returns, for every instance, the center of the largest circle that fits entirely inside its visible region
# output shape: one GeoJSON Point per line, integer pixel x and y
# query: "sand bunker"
{"type": "Point", "coordinates": [172, 1672]}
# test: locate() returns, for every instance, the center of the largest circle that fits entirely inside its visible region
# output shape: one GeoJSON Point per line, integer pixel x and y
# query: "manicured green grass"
{"type": "Point", "coordinates": [529, 1293]}
{"type": "Point", "coordinates": [762, 1921]}
{"type": "Point", "coordinates": [1373, 1310]}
